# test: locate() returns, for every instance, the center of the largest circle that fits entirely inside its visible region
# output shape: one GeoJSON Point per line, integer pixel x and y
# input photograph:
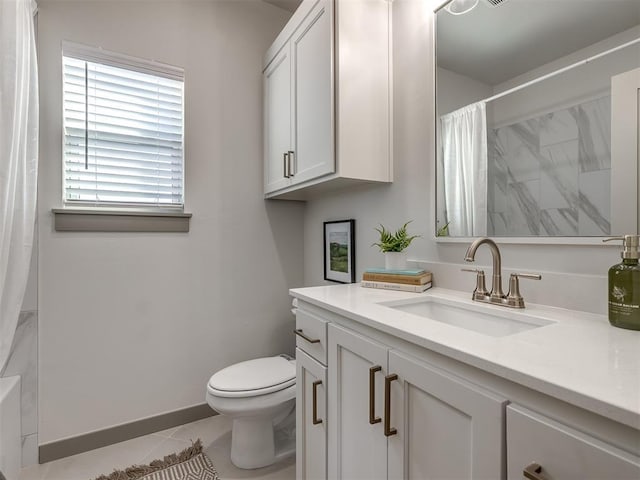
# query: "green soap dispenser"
{"type": "Point", "coordinates": [624, 286]}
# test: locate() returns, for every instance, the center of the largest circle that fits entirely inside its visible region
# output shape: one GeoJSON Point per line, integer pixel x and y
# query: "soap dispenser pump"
{"type": "Point", "coordinates": [624, 285]}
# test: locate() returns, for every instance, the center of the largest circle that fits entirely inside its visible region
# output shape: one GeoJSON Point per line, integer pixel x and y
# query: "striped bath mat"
{"type": "Point", "coordinates": [190, 464]}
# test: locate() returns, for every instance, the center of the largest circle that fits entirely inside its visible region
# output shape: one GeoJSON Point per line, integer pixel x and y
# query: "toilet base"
{"type": "Point", "coordinates": [256, 443]}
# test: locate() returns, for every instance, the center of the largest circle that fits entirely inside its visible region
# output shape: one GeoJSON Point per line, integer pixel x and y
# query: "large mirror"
{"type": "Point", "coordinates": [535, 103]}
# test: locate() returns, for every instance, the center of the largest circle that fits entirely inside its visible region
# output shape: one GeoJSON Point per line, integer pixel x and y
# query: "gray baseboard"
{"type": "Point", "coordinates": [101, 438]}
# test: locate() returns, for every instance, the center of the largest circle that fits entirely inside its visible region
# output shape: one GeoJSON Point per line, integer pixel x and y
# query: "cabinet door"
{"type": "Point", "coordinates": [311, 51]}
{"type": "Point", "coordinates": [446, 427]}
{"type": "Point", "coordinates": [311, 423]}
{"type": "Point", "coordinates": [561, 452]}
{"type": "Point", "coordinates": [357, 449]}
{"type": "Point", "coordinates": [277, 120]}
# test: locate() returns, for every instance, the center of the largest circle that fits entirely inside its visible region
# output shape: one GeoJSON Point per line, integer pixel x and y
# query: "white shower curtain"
{"type": "Point", "coordinates": [18, 160]}
{"type": "Point", "coordinates": [464, 162]}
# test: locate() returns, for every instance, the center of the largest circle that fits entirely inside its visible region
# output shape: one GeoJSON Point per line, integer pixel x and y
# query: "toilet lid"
{"type": "Point", "coordinates": [264, 374]}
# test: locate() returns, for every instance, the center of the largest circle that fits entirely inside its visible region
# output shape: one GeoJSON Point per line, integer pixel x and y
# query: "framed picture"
{"type": "Point", "coordinates": [340, 251]}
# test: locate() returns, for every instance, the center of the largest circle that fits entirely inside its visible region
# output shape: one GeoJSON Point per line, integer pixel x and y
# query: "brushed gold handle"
{"type": "Point", "coordinates": [285, 163]}
{"type": "Point", "coordinates": [314, 402]}
{"type": "Point", "coordinates": [388, 430]}
{"type": "Point", "coordinates": [372, 395]}
{"type": "Point", "coordinates": [300, 333]}
{"type": "Point", "coordinates": [533, 471]}
{"type": "Point", "coordinates": [291, 156]}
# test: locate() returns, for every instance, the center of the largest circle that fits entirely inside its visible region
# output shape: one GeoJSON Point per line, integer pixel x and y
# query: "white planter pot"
{"type": "Point", "coordinates": [395, 260]}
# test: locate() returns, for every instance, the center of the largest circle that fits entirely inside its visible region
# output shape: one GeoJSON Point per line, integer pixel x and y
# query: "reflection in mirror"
{"type": "Point", "coordinates": [528, 95]}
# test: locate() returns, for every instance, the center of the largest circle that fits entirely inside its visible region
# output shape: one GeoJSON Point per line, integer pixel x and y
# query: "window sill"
{"type": "Point", "coordinates": [86, 220]}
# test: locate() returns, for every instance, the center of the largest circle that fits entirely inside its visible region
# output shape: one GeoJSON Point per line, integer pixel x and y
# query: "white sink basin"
{"type": "Point", "coordinates": [491, 320]}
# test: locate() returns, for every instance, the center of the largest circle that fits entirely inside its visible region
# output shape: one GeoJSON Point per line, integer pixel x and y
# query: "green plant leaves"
{"type": "Point", "coordinates": [443, 231]}
{"type": "Point", "coordinates": [394, 242]}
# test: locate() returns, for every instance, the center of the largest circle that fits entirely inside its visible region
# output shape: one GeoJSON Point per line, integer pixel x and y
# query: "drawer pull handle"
{"type": "Point", "coordinates": [300, 333]}
{"type": "Point", "coordinates": [388, 430]}
{"type": "Point", "coordinates": [316, 420]}
{"type": "Point", "coordinates": [285, 162]}
{"type": "Point", "coordinates": [291, 156]}
{"type": "Point", "coordinates": [533, 471]}
{"type": "Point", "coordinates": [372, 395]}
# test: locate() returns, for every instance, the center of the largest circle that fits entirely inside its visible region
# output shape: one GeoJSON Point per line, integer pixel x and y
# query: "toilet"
{"type": "Point", "coordinates": [259, 396]}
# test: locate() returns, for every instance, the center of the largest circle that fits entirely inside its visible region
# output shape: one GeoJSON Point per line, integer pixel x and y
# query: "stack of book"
{"type": "Point", "coordinates": [406, 280]}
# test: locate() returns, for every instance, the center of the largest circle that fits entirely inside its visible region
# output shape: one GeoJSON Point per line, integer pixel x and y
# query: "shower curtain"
{"type": "Point", "coordinates": [464, 163]}
{"type": "Point", "coordinates": [18, 160]}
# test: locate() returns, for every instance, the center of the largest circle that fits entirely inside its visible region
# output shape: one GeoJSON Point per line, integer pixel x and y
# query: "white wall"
{"type": "Point", "coordinates": [456, 91]}
{"type": "Point", "coordinates": [573, 276]}
{"type": "Point", "coordinates": [133, 325]}
{"type": "Point", "coordinates": [575, 86]}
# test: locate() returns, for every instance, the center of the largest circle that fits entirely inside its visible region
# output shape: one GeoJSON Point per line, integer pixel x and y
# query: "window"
{"type": "Point", "coordinates": [123, 131]}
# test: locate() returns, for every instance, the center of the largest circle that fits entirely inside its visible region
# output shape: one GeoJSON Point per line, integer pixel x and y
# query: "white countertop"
{"type": "Point", "coordinates": [579, 358]}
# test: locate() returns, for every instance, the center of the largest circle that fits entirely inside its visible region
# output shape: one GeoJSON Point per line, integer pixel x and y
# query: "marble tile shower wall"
{"type": "Point", "coordinates": [550, 175]}
{"type": "Point", "coordinates": [23, 361]}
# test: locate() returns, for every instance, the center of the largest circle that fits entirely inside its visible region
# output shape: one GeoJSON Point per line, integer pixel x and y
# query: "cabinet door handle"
{"type": "Point", "coordinates": [285, 163]}
{"type": "Point", "coordinates": [372, 395]}
{"type": "Point", "coordinates": [533, 471]}
{"type": "Point", "coordinates": [292, 161]}
{"type": "Point", "coordinates": [314, 402]}
{"type": "Point", "coordinates": [300, 333]}
{"type": "Point", "coordinates": [388, 430]}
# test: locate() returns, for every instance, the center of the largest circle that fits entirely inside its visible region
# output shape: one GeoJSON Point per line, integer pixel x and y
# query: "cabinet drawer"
{"type": "Point", "coordinates": [562, 452]}
{"type": "Point", "coordinates": [311, 335]}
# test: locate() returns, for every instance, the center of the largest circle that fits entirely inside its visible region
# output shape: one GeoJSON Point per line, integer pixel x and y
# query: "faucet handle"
{"type": "Point", "coordinates": [530, 276]}
{"type": "Point", "coordinates": [481, 288]}
{"type": "Point", "coordinates": [514, 298]}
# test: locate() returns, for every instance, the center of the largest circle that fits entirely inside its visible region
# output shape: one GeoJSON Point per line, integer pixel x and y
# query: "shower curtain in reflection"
{"type": "Point", "coordinates": [18, 160]}
{"type": "Point", "coordinates": [464, 163]}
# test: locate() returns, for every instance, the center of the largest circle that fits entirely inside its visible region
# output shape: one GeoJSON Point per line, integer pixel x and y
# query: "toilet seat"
{"type": "Point", "coordinates": [253, 377]}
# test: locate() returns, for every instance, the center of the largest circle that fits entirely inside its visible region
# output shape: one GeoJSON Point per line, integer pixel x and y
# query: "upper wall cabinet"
{"type": "Point", "coordinates": [327, 96]}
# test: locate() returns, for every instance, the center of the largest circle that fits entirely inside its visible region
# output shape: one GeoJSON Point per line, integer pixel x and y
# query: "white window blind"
{"type": "Point", "coordinates": [123, 134]}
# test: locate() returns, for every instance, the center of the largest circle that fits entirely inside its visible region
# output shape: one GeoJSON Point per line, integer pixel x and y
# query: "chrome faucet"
{"type": "Point", "coordinates": [496, 296]}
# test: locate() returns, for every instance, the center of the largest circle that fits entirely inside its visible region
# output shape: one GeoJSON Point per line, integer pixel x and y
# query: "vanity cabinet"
{"type": "Point", "coordinates": [446, 427]}
{"type": "Point", "coordinates": [311, 397]}
{"type": "Point", "coordinates": [357, 443]}
{"type": "Point", "coordinates": [393, 409]}
{"type": "Point", "coordinates": [323, 126]}
{"type": "Point", "coordinates": [544, 449]}
{"type": "Point", "coordinates": [394, 416]}
{"type": "Point", "coordinates": [311, 418]}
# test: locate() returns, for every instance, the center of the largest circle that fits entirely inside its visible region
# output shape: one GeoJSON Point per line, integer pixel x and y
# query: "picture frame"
{"type": "Point", "coordinates": [340, 251]}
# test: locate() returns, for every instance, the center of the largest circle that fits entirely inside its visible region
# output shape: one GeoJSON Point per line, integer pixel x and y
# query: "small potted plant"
{"type": "Point", "coordinates": [393, 245]}
{"type": "Point", "coordinates": [443, 231]}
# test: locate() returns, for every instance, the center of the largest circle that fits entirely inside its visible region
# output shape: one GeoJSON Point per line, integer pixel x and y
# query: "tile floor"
{"type": "Point", "coordinates": [215, 433]}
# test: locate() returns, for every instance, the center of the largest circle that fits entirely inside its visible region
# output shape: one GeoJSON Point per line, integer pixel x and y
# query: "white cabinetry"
{"type": "Point", "coordinates": [393, 416]}
{"type": "Point", "coordinates": [357, 444]}
{"type": "Point", "coordinates": [277, 99]}
{"type": "Point", "coordinates": [447, 428]}
{"type": "Point", "coordinates": [311, 418]}
{"type": "Point", "coordinates": [540, 448]}
{"type": "Point", "coordinates": [312, 136]}
{"type": "Point", "coordinates": [400, 411]}
{"type": "Point", "coordinates": [327, 98]}
{"type": "Point", "coordinates": [311, 397]}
